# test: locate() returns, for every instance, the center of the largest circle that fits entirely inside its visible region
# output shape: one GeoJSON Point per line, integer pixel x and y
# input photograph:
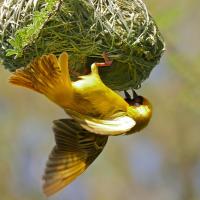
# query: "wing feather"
{"type": "Point", "coordinates": [75, 150]}
{"type": "Point", "coordinates": [116, 125]}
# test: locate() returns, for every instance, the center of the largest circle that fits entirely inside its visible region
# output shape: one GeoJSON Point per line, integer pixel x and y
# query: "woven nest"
{"type": "Point", "coordinates": [85, 29]}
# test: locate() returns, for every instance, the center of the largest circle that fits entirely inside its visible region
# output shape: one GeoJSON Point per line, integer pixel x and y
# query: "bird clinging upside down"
{"type": "Point", "coordinates": [97, 112]}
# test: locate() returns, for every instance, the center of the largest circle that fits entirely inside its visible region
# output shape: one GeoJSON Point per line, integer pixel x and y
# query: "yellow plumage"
{"type": "Point", "coordinates": [97, 112]}
{"type": "Point", "coordinates": [50, 76]}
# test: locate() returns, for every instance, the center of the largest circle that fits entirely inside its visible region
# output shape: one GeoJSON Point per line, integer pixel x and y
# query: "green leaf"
{"type": "Point", "coordinates": [28, 34]}
{"type": "Point", "coordinates": [11, 52]}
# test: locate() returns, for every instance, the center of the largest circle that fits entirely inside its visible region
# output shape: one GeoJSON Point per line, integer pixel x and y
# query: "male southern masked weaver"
{"type": "Point", "coordinates": [97, 112]}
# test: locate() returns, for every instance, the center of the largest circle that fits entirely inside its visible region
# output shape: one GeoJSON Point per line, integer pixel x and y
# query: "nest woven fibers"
{"type": "Point", "coordinates": [85, 29]}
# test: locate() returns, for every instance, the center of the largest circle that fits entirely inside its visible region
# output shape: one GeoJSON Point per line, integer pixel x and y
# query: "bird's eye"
{"type": "Point", "coordinates": [137, 101]}
{"type": "Point", "coordinates": [136, 104]}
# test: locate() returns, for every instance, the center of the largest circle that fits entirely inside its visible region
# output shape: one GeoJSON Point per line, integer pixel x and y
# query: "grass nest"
{"type": "Point", "coordinates": [85, 29]}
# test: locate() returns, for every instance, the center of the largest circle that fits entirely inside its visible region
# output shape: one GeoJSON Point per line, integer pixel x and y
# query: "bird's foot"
{"type": "Point", "coordinates": [107, 62]}
{"type": "Point", "coordinates": [128, 96]}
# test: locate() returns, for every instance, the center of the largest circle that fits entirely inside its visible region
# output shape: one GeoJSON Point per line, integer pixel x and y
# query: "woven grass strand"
{"type": "Point", "coordinates": [85, 29]}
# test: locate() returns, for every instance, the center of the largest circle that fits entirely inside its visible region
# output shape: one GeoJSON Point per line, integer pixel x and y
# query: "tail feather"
{"type": "Point", "coordinates": [47, 75]}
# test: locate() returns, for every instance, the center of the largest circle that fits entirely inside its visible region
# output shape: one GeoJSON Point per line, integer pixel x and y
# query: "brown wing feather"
{"type": "Point", "coordinates": [75, 150]}
{"type": "Point", "coordinates": [47, 75]}
{"type": "Point", "coordinates": [41, 74]}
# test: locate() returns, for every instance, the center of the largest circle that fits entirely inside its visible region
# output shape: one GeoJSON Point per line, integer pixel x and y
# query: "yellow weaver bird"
{"type": "Point", "coordinates": [97, 112]}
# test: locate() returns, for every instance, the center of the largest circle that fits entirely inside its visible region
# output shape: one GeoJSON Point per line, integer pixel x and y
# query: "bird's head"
{"type": "Point", "coordinates": [140, 109]}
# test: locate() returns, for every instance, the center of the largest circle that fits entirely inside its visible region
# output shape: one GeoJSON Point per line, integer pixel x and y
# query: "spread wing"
{"type": "Point", "coordinates": [75, 150]}
{"type": "Point", "coordinates": [116, 125]}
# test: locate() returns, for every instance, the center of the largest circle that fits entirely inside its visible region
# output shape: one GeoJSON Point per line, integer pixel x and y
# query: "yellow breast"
{"type": "Point", "coordinates": [92, 97]}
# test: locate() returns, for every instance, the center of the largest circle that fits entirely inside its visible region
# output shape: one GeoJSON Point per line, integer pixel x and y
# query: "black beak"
{"type": "Point", "coordinates": [127, 95]}
{"type": "Point", "coordinates": [134, 94]}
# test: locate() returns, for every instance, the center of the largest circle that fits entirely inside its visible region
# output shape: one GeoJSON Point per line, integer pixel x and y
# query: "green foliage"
{"type": "Point", "coordinates": [28, 34]}
{"type": "Point", "coordinates": [86, 29]}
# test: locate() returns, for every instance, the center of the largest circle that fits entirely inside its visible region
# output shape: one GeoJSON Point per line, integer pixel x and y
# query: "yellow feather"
{"type": "Point", "coordinates": [50, 76]}
{"type": "Point", "coordinates": [97, 113]}
{"type": "Point", "coordinates": [47, 75]}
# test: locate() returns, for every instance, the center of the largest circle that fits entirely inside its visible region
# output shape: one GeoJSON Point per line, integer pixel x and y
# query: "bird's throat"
{"type": "Point", "coordinates": [141, 115]}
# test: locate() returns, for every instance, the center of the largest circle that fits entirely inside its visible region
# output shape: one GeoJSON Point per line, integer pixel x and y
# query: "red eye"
{"type": "Point", "coordinates": [137, 101]}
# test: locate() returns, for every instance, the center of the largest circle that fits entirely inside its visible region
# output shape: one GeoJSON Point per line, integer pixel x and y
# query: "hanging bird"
{"type": "Point", "coordinates": [97, 112]}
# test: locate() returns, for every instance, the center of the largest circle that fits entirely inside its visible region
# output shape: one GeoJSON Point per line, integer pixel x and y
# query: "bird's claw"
{"type": "Point", "coordinates": [107, 62]}
{"type": "Point", "coordinates": [128, 96]}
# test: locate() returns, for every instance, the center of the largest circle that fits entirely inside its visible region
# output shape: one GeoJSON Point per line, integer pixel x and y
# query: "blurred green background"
{"type": "Point", "coordinates": [160, 163]}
